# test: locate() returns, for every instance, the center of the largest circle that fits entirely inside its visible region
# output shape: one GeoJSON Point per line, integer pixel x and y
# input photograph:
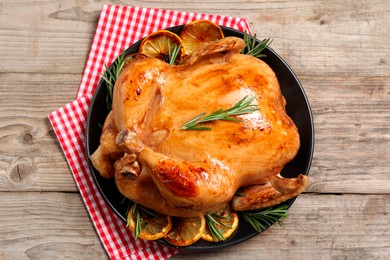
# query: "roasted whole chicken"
{"type": "Point", "coordinates": [186, 173]}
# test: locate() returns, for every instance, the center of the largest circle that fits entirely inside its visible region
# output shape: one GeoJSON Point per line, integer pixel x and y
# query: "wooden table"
{"type": "Point", "coordinates": [340, 51]}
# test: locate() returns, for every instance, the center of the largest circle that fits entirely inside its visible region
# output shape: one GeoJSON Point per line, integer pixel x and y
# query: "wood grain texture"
{"type": "Point", "coordinates": [340, 51]}
{"type": "Point", "coordinates": [53, 225]}
{"type": "Point", "coordinates": [46, 225]}
{"type": "Point", "coordinates": [30, 156]}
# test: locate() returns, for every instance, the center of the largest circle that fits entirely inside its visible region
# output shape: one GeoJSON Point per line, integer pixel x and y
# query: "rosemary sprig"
{"type": "Point", "coordinates": [261, 220]}
{"type": "Point", "coordinates": [172, 53]}
{"type": "Point", "coordinates": [110, 76]}
{"type": "Point", "coordinates": [253, 48]}
{"type": "Point", "coordinates": [243, 106]}
{"type": "Point", "coordinates": [140, 214]}
{"type": "Point", "coordinates": [138, 221]}
{"type": "Point", "coordinates": [129, 204]}
{"type": "Point", "coordinates": [213, 224]}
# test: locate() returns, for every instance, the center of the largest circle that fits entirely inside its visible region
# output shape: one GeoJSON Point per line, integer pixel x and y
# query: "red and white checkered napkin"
{"type": "Point", "coordinates": [118, 28]}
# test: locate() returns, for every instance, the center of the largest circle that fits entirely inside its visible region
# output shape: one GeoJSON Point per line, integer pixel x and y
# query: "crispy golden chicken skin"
{"type": "Point", "coordinates": [189, 173]}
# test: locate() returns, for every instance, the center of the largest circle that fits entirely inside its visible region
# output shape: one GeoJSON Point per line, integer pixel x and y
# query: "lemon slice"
{"type": "Point", "coordinates": [151, 225]}
{"type": "Point", "coordinates": [186, 231]}
{"type": "Point", "coordinates": [198, 33]}
{"type": "Point", "coordinates": [160, 44]}
{"type": "Point", "coordinates": [225, 221]}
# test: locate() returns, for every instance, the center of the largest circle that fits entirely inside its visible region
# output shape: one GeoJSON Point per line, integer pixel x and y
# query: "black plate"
{"type": "Point", "coordinates": [297, 108]}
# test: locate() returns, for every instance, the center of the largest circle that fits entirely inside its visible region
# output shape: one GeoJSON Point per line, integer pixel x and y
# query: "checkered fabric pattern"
{"type": "Point", "coordinates": [118, 28]}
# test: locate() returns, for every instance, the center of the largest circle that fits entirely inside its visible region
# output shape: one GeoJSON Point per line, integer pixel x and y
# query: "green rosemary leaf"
{"type": "Point", "coordinates": [258, 226]}
{"type": "Point", "coordinates": [233, 119]}
{"type": "Point", "coordinates": [172, 53]}
{"type": "Point", "coordinates": [260, 220]}
{"type": "Point", "coordinates": [244, 106]}
{"type": "Point", "coordinates": [130, 203]}
{"type": "Point", "coordinates": [200, 128]}
{"type": "Point", "coordinates": [138, 221]}
{"type": "Point", "coordinates": [254, 48]}
{"type": "Point", "coordinates": [123, 200]}
{"type": "Point", "coordinates": [211, 224]}
{"type": "Point", "coordinates": [110, 76]}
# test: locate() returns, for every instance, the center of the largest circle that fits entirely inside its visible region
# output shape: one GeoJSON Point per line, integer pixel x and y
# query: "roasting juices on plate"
{"type": "Point", "coordinates": [198, 132]}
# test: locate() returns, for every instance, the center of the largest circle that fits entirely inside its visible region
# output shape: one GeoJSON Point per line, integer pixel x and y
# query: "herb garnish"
{"type": "Point", "coordinates": [139, 223]}
{"type": "Point", "coordinates": [213, 224]}
{"type": "Point", "coordinates": [110, 76]}
{"type": "Point", "coordinates": [135, 212]}
{"type": "Point", "coordinates": [243, 106]}
{"type": "Point", "coordinates": [172, 53]}
{"type": "Point", "coordinates": [260, 220]}
{"type": "Point", "coordinates": [253, 48]}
